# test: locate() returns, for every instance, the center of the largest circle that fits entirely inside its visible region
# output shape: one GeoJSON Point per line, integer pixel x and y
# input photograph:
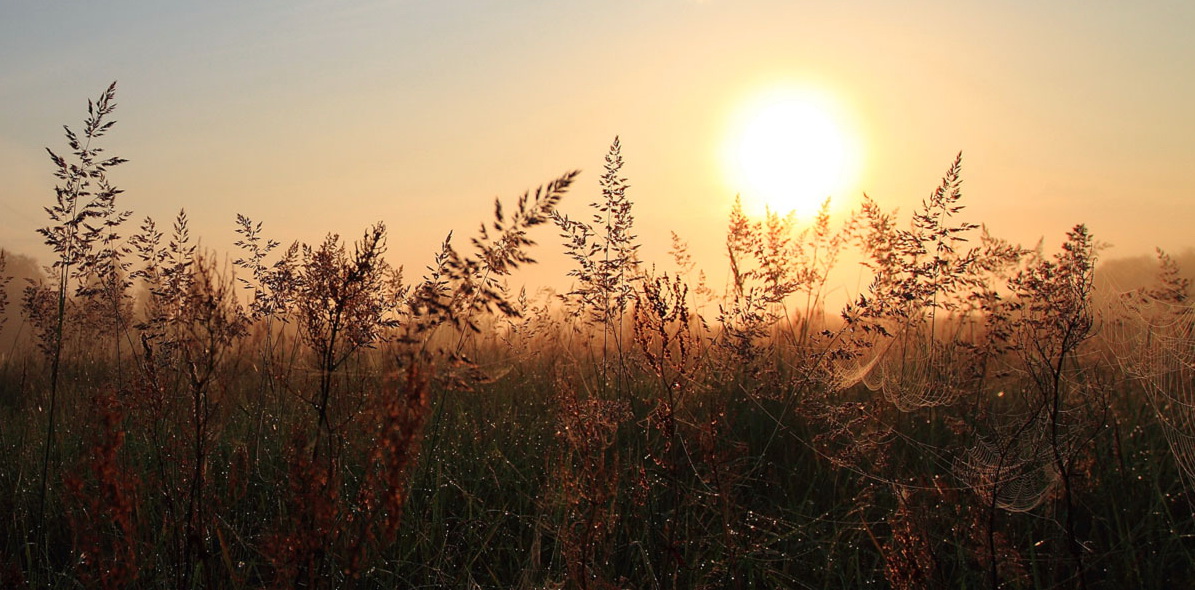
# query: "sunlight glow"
{"type": "Point", "coordinates": [789, 152]}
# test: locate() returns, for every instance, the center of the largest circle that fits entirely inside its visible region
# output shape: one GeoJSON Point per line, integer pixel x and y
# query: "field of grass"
{"type": "Point", "coordinates": [981, 417]}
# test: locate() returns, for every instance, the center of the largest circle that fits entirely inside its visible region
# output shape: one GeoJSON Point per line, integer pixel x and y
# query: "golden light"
{"type": "Point", "coordinates": [790, 151]}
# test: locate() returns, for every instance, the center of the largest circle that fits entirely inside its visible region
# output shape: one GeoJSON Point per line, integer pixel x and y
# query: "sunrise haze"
{"type": "Point", "coordinates": [703, 382]}
{"type": "Point", "coordinates": [318, 117]}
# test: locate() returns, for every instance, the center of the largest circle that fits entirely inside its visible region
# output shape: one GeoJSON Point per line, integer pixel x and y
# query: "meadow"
{"type": "Point", "coordinates": [982, 416]}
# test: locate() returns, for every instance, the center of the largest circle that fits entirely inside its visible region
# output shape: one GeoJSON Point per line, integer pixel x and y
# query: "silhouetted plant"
{"type": "Point", "coordinates": [272, 288]}
{"type": "Point", "coordinates": [84, 194]}
{"type": "Point", "coordinates": [663, 334]}
{"type": "Point", "coordinates": [104, 280]}
{"type": "Point", "coordinates": [167, 275]}
{"type": "Point", "coordinates": [398, 421]}
{"type": "Point", "coordinates": [460, 287]}
{"type": "Point", "coordinates": [744, 319]}
{"type": "Point", "coordinates": [822, 247]}
{"type": "Point", "coordinates": [770, 262]}
{"type": "Point", "coordinates": [4, 280]}
{"type": "Point", "coordinates": [343, 304]}
{"type": "Point", "coordinates": [1053, 299]}
{"type": "Point", "coordinates": [607, 265]}
{"type": "Point", "coordinates": [1171, 286]}
{"type": "Point", "coordinates": [212, 322]}
{"type": "Point", "coordinates": [688, 271]}
{"type": "Point", "coordinates": [936, 327]}
{"type": "Point", "coordinates": [908, 556]}
{"type": "Point", "coordinates": [921, 284]}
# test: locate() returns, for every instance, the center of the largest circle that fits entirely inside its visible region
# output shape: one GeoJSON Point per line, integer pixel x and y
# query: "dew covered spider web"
{"type": "Point", "coordinates": [1011, 464]}
{"type": "Point", "coordinates": [911, 372]}
{"type": "Point", "coordinates": [1154, 342]}
{"type": "Point", "coordinates": [1014, 469]}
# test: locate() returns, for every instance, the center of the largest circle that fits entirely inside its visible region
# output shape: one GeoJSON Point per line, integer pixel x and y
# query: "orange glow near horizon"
{"type": "Point", "coordinates": [788, 150]}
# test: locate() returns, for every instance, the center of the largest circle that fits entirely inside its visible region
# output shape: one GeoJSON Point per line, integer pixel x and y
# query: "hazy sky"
{"type": "Point", "coordinates": [325, 116]}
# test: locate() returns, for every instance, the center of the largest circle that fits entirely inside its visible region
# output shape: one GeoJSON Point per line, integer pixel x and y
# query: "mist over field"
{"type": "Point", "coordinates": [1113, 276]}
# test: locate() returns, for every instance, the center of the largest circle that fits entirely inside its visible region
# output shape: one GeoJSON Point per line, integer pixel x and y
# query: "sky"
{"type": "Point", "coordinates": [317, 116]}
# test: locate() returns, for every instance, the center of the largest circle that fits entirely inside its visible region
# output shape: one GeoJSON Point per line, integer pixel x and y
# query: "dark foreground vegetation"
{"type": "Point", "coordinates": [981, 417]}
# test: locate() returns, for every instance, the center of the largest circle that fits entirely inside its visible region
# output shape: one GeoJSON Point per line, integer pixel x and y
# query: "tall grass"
{"type": "Point", "coordinates": [312, 417]}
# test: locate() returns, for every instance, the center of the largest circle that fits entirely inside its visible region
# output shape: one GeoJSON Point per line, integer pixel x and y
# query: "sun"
{"type": "Point", "coordinates": [789, 151]}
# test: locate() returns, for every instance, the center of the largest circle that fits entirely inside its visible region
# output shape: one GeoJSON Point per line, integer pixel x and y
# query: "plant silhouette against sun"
{"type": "Point", "coordinates": [605, 252]}
{"type": "Point", "coordinates": [83, 197]}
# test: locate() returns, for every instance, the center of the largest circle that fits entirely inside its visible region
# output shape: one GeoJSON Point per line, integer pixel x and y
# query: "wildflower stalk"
{"type": "Point", "coordinates": [72, 238]}
{"type": "Point", "coordinates": [606, 254]}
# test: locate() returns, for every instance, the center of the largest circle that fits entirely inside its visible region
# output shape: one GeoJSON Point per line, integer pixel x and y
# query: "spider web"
{"type": "Point", "coordinates": [1154, 341]}
{"type": "Point", "coordinates": [909, 373]}
{"type": "Point", "coordinates": [1015, 471]}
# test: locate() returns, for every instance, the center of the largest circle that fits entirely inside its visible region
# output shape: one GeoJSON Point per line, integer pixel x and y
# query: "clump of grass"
{"type": "Point", "coordinates": [103, 496]}
{"type": "Point", "coordinates": [332, 532]}
{"type": "Point", "coordinates": [588, 487]}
